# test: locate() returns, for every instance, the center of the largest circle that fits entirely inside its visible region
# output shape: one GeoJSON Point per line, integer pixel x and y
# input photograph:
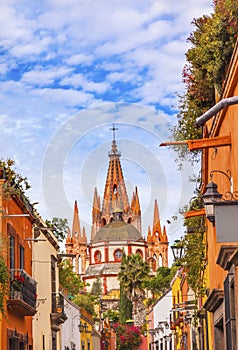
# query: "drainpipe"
{"type": "Point", "coordinates": [200, 121]}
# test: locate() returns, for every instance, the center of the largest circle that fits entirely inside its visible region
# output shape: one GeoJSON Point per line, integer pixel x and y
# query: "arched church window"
{"type": "Point", "coordinates": [139, 251]}
{"type": "Point", "coordinates": [115, 189]}
{"type": "Point", "coordinates": [160, 261]}
{"type": "Point", "coordinates": [152, 264]}
{"type": "Point", "coordinates": [97, 256]}
{"type": "Point", "coordinates": [79, 264]}
{"type": "Point", "coordinates": [118, 255]}
{"type": "Point", "coordinates": [157, 235]}
{"type": "Point", "coordinates": [103, 221]}
{"type": "Point", "coordinates": [129, 220]}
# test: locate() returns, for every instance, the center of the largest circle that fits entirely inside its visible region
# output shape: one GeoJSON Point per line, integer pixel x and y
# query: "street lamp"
{"type": "Point", "coordinates": [83, 327]}
{"type": "Point", "coordinates": [210, 197]}
{"type": "Point", "coordinates": [177, 249]}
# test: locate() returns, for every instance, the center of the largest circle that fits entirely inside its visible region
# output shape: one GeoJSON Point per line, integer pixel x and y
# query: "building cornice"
{"type": "Point", "coordinates": [214, 300]}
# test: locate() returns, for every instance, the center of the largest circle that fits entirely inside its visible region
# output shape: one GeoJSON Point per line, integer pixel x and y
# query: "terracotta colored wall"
{"type": "Point", "coordinates": [222, 159]}
{"type": "Point", "coordinates": [23, 228]}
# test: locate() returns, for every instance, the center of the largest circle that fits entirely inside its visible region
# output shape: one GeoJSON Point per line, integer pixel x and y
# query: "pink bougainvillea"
{"type": "Point", "coordinates": [128, 337]}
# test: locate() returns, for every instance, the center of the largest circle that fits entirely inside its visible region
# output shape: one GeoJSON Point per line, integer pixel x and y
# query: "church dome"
{"type": "Point", "coordinates": [118, 230]}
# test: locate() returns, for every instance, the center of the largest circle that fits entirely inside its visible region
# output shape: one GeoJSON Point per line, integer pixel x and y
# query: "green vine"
{"type": "Point", "coordinates": [4, 278]}
{"type": "Point", "coordinates": [194, 259]}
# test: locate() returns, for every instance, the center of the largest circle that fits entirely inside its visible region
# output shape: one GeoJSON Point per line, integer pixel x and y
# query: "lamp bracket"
{"type": "Point", "coordinates": [227, 174]}
{"type": "Point", "coordinates": [231, 196]}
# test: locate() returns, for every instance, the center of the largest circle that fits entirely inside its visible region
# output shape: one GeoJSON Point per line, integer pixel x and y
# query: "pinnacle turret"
{"type": "Point", "coordinates": [76, 231]}
{"type": "Point", "coordinates": [156, 222]}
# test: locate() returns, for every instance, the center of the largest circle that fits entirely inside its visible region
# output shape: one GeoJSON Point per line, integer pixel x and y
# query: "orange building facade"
{"type": "Point", "coordinates": [16, 219]}
{"type": "Point", "coordinates": [220, 167]}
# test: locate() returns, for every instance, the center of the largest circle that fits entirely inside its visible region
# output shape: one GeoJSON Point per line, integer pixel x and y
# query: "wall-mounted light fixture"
{"type": "Point", "coordinates": [177, 249]}
{"type": "Point", "coordinates": [82, 327]}
{"type": "Point", "coordinates": [164, 323]}
{"type": "Point", "coordinates": [222, 210]}
{"type": "Point", "coordinates": [210, 197]}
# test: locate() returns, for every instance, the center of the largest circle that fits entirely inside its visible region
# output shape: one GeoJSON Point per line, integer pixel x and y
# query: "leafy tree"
{"type": "Point", "coordinates": [229, 11]}
{"type": "Point", "coordinates": [133, 272]}
{"type": "Point", "coordinates": [60, 227]}
{"type": "Point", "coordinates": [85, 301]}
{"type": "Point", "coordinates": [160, 283]}
{"type": "Point", "coordinates": [125, 305]}
{"type": "Point", "coordinates": [97, 288]}
{"type": "Point", "coordinates": [113, 315]}
{"type": "Point", "coordinates": [69, 280]}
{"type": "Point", "coordinates": [212, 42]}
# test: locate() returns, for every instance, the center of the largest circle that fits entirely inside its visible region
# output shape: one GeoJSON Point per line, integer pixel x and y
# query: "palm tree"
{"type": "Point", "coordinates": [133, 272]}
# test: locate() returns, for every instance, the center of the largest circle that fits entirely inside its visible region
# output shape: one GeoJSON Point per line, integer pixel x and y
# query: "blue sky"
{"type": "Point", "coordinates": [69, 69]}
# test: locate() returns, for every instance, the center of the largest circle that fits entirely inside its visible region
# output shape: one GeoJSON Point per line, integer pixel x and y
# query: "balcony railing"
{"type": "Point", "coordinates": [58, 316]}
{"type": "Point", "coordinates": [22, 298]}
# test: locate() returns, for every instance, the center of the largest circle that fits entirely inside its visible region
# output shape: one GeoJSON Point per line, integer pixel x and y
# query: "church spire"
{"type": "Point", "coordinates": [156, 222]}
{"type": "Point", "coordinates": [96, 200]}
{"type": "Point", "coordinates": [115, 195]}
{"type": "Point", "coordinates": [157, 242]}
{"type": "Point", "coordinates": [137, 202]}
{"type": "Point", "coordinates": [95, 213]}
{"type": "Point", "coordinates": [76, 231]}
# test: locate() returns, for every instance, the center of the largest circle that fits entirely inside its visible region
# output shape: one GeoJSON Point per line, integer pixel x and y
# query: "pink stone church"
{"type": "Point", "coordinates": [116, 228]}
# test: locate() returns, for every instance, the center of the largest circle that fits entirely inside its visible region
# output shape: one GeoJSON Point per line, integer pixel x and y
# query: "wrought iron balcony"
{"type": "Point", "coordinates": [22, 298]}
{"type": "Point", "coordinates": [58, 316]}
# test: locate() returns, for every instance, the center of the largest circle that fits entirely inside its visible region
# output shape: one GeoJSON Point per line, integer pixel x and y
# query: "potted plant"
{"type": "Point", "coordinates": [17, 286]}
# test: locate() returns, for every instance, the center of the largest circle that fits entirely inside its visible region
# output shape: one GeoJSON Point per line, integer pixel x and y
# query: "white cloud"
{"type": "Point", "coordinates": [59, 57]}
{"type": "Point", "coordinates": [79, 81]}
{"type": "Point", "coordinates": [34, 47]}
{"type": "Point", "coordinates": [80, 59]}
{"type": "Point", "coordinates": [41, 76]}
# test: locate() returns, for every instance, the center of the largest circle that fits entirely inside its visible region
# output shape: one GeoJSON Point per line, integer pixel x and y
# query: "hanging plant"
{"type": "Point", "coordinates": [14, 182]}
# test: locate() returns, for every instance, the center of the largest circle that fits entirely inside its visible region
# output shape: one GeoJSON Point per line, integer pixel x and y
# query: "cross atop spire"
{"type": "Point", "coordinates": [114, 151]}
{"type": "Point", "coordinates": [114, 129]}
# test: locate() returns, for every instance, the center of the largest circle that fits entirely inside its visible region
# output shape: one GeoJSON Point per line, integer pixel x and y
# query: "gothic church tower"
{"type": "Point", "coordinates": [157, 243]}
{"type": "Point", "coordinates": [76, 243]}
{"type": "Point", "coordinates": [101, 256]}
{"type": "Point", "coordinates": [115, 196]}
